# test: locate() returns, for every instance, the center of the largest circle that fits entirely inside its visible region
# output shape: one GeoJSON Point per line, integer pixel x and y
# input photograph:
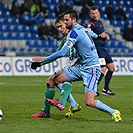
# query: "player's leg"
{"type": "Point", "coordinates": [65, 91]}
{"type": "Point", "coordinates": [90, 79]}
{"type": "Point", "coordinates": [103, 70]}
{"type": "Point", "coordinates": [67, 75]}
{"type": "Point", "coordinates": [74, 106]}
{"type": "Point", "coordinates": [108, 76]}
{"type": "Point", "coordinates": [49, 93]}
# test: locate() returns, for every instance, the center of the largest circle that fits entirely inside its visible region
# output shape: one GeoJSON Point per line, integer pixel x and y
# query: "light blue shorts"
{"type": "Point", "coordinates": [89, 76]}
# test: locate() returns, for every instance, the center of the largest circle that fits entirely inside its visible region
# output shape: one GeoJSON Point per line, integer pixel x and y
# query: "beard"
{"type": "Point", "coordinates": [69, 27]}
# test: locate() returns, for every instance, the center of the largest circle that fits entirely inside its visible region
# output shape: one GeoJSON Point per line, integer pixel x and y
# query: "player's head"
{"type": "Point", "coordinates": [60, 24]}
{"type": "Point", "coordinates": [70, 18]}
{"type": "Point", "coordinates": [94, 13]}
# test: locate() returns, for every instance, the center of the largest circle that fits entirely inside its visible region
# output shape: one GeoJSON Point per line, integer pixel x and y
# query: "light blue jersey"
{"type": "Point", "coordinates": [79, 38]}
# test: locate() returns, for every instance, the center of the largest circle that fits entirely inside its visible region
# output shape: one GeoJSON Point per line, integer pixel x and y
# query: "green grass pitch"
{"type": "Point", "coordinates": [21, 96]}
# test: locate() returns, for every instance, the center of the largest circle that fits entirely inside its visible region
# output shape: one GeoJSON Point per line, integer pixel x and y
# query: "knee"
{"type": "Point", "coordinates": [50, 82]}
{"type": "Point", "coordinates": [91, 103]}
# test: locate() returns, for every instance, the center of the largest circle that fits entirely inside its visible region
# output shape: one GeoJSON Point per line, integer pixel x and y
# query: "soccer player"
{"type": "Point", "coordinates": [50, 85]}
{"type": "Point", "coordinates": [88, 70]}
{"type": "Point", "coordinates": [96, 26]}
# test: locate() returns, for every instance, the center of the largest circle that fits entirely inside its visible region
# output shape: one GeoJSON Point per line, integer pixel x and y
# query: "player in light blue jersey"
{"type": "Point", "coordinates": [88, 70]}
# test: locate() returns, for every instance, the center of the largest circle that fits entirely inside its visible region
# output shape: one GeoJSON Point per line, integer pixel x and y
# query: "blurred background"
{"type": "Point", "coordinates": [27, 26]}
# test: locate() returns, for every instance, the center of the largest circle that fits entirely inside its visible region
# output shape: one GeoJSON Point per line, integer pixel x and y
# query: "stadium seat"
{"type": "Point", "coordinates": [34, 36]}
{"type": "Point", "coordinates": [121, 45]}
{"type": "Point", "coordinates": [25, 28]}
{"type": "Point", "coordinates": [112, 37]}
{"type": "Point", "coordinates": [45, 44]}
{"type": "Point", "coordinates": [5, 14]}
{"type": "Point", "coordinates": [33, 29]}
{"type": "Point", "coordinates": [52, 44]}
{"type": "Point", "coordinates": [15, 21]}
{"type": "Point", "coordinates": [6, 49]}
{"type": "Point", "coordinates": [4, 7]}
{"type": "Point", "coordinates": [27, 36]}
{"type": "Point", "coordinates": [51, 15]}
{"type": "Point", "coordinates": [3, 36]}
{"type": "Point", "coordinates": [114, 44]}
{"type": "Point", "coordinates": [37, 44]}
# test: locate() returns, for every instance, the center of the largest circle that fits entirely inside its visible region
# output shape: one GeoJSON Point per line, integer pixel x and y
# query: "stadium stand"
{"type": "Point", "coordinates": [24, 40]}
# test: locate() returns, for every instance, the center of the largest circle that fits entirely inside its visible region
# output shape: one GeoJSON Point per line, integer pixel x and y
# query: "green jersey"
{"type": "Point", "coordinates": [73, 58]}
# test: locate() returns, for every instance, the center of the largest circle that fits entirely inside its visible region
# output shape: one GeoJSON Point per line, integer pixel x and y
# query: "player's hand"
{"type": "Point", "coordinates": [38, 58]}
{"type": "Point", "coordinates": [36, 62]}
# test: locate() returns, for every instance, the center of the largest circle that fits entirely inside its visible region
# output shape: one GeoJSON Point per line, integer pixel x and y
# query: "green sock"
{"type": "Point", "coordinates": [49, 93]}
{"type": "Point", "coordinates": [65, 92]}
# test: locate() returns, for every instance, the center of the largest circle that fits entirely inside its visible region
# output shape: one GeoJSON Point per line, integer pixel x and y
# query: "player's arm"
{"type": "Point", "coordinates": [104, 35]}
{"type": "Point", "coordinates": [91, 33]}
{"type": "Point", "coordinates": [54, 56]}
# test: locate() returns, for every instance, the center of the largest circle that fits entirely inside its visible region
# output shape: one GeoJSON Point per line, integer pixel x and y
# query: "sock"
{"type": "Point", "coordinates": [70, 99]}
{"type": "Point", "coordinates": [65, 92]}
{"type": "Point", "coordinates": [107, 79]}
{"type": "Point", "coordinates": [100, 79]}
{"type": "Point", "coordinates": [49, 93]}
{"type": "Point", "coordinates": [103, 107]}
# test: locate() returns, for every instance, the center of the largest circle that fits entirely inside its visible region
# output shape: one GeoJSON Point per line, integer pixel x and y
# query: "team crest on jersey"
{"type": "Point", "coordinates": [69, 44]}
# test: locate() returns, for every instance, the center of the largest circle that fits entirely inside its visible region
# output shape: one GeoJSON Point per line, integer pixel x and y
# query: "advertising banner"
{"type": "Point", "coordinates": [20, 66]}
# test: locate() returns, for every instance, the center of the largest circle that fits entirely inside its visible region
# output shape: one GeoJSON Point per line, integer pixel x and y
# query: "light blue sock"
{"type": "Point", "coordinates": [70, 98]}
{"type": "Point", "coordinates": [103, 107]}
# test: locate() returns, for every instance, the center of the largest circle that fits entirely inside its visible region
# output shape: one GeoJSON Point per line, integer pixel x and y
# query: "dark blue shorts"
{"type": "Point", "coordinates": [102, 53]}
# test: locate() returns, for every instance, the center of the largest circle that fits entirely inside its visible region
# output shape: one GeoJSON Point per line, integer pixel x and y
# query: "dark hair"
{"type": "Point", "coordinates": [59, 18]}
{"type": "Point", "coordinates": [94, 8]}
{"type": "Point", "coordinates": [72, 13]}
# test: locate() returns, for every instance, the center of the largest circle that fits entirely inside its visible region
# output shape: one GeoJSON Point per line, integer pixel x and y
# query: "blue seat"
{"type": "Point", "coordinates": [45, 44]}
{"type": "Point", "coordinates": [53, 44]}
{"type": "Point", "coordinates": [51, 15]}
{"type": "Point", "coordinates": [116, 51]}
{"type": "Point", "coordinates": [15, 21]}
{"type": "Point", "coordinates": [14, 49]}
{"type": "Point", "coordinates": [6, 49]}
{"type": "Point", "coordinates": [27, 36]}
{"type": "Point", "coordinates": [25, 28]}
{"type": "Point", "coordinates": [19, 36]}
{"type": "Point", "coordinates": [34, 36]}
{"type": "Point", "coordinates": [120, 23]}
{"type": "Point", "coordinates": [4, 7]}
{"type": "Point", "coordinates": [5, 14]}
{"type": "Point", "coordinates": [9, 28]}
{"type": "Point", "coordinates": [33, 29]}
{"type": "Point", "coordinates": [121, 45]}
{"type": "Point", "coordinates": [37, 44]}
{"type": "Point", "coordinates": [29, 43]}
{"type": "Point", "coordinates": [130, 51]}
{"type": "Point", "coordinates": [7, 21]}
{"type": "Point", "coordinates": [112, 37]}
{"type": "Point", "coordinates": [30, 50]}
{"type": "Point", "coordinates": [114, 23]}
{"type": "Point", "coordinates": [114, 44]}
{"type": "Point", "coordinates": [22, 50]}
{"type": "Point", "coordinates": [3, 36]}
{"type": "Point", "coordinates": [124, 51]}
